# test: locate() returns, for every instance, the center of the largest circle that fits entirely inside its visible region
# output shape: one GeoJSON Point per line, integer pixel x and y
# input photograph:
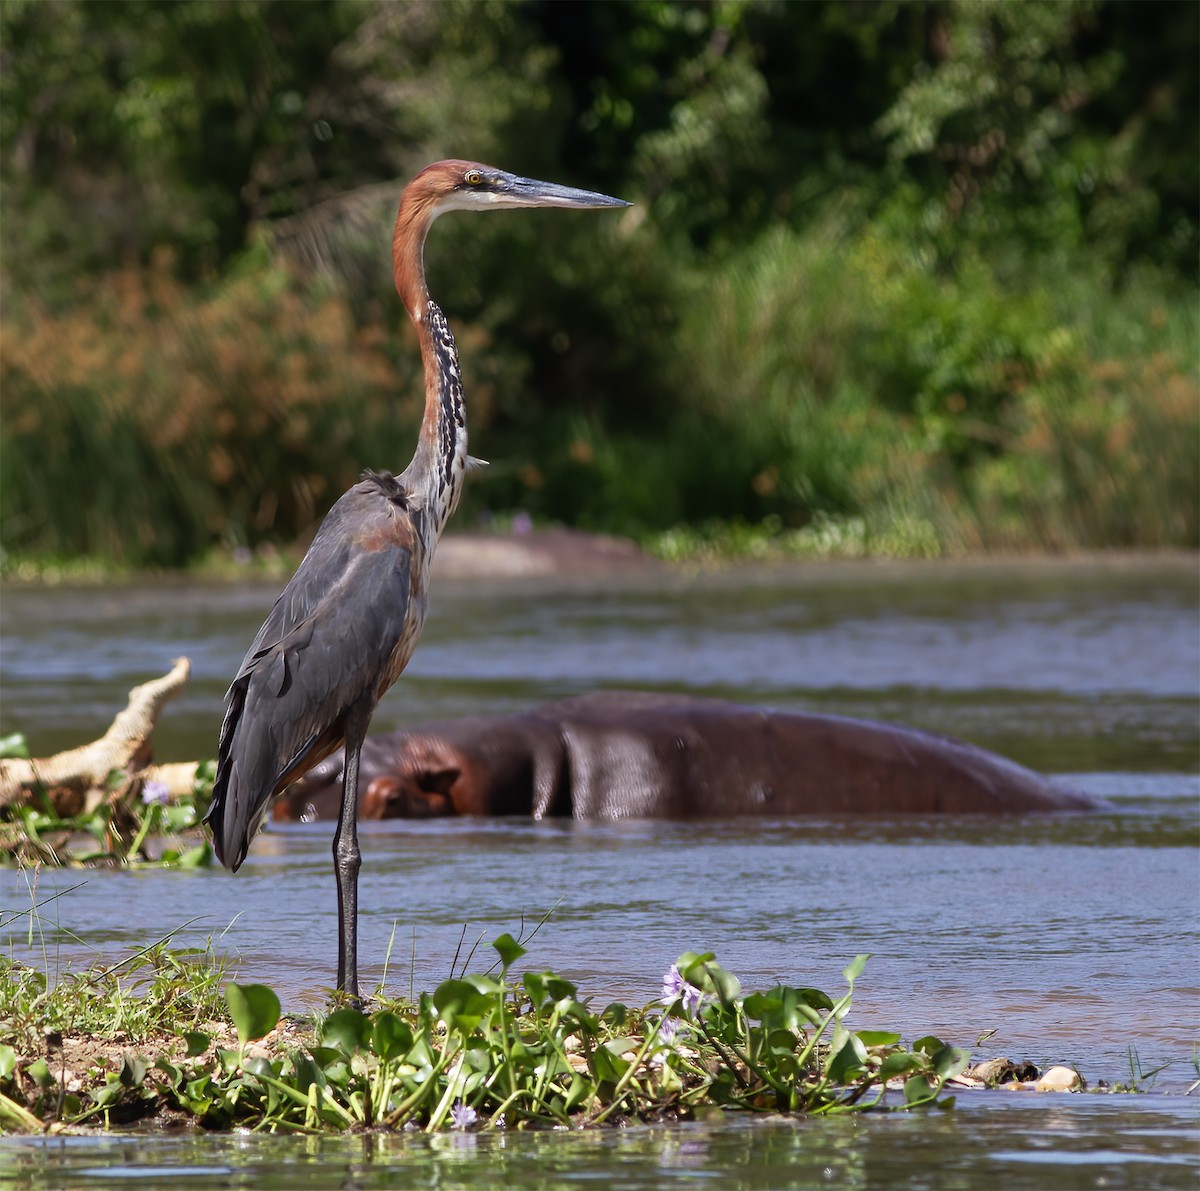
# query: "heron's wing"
{"type": "Point", "coordinates": [325, 645]}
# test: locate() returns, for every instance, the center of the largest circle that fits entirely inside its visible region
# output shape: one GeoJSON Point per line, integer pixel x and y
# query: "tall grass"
{"type": "Point", "coordinates": [149, 422]}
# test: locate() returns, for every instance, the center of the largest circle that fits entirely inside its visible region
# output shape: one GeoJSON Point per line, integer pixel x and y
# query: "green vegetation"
{"type": "Point", "coordinates": [480, 1051]}
{"type": "Point", "coordinates": [133, 824]}
{"type": "Point", "coordinates": [901, 278]}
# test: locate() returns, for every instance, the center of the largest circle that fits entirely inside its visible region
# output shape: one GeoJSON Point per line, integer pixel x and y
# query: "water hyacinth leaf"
{"type": "Point", "coordinates": [508, 949]}
{"type": "Point", "coordinates": [547, 986]}
{"type": "Point", "coordinates": [229, 1060]}
{"type": "Point", "coordinates": [460, 1004]}
{"type": "Point", "coordinates": [39, 1072]}
{"type": "Point", "coordinates": [254, 1009]}
{"type": "Point", "coordinates": [950, 1061]}
{"type": "Point", "coordinates": [198, 857]}
{"type": "Point", "coordinates": [615, 1015]}
{"type": "Point", "coordinates": [390, 1036]}
{"type": "Point", "coordinates": [534, 984]}
{"type": "Point", "coordinates": [851, 1056]}
{"type": "Point", "coordinates": [258, 1065]}
{"type": "Point", "coordinates": [898, 1063]}
{"type": "Point", "coordinates": [928, 1045]}
{"type": "Point", "coordinates": [307, 1073]}
{"type": "Point", "coordinates": [760, 1006]}
{"type": "Point", "coordinates": [785, 1008]}
{"type": "Point", "coordinates": [586, 1022]}
{"type": "Point", "coordinates": [704, 973]}
{"type": "Point", "coordinates": [347, 1030]}
{"type": "Point", "coordinates": [325, 1056]}
{"type": "Point", "coordinates": [197, 1043]}
{"type": "Point", "coordinates": [108, 1094]}
{"type": "Point", "coordinates": [579, 1091]}
{"type": "Point", "coordinates": [781, 1042]}
{"type": "Point", "coordinates": [853, 970]}
{"type": "Point", "coordinates": [607, 1066]}
{"type": "Point", "coordinates": [8, 1061]}
{"type": "Point", "coordinates": [133, 1071]}
{"type": "Point", "coordinates": [488, 985]}
{"type": "Point", "coordinates": [877, 1037]}
{"type": "Point", "coordinates": [917, 1091]}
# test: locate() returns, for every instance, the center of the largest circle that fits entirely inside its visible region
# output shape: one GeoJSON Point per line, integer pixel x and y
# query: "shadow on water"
{"type": "Point", "coordinates": [1075, 938]}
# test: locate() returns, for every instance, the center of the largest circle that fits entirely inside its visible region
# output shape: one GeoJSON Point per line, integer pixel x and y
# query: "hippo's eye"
{"type": "Point", "coordinates": [473, 178]}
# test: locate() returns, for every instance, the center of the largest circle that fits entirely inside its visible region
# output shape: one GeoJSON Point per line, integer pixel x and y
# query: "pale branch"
{"type": "Point", "coordinates": [77, 779]}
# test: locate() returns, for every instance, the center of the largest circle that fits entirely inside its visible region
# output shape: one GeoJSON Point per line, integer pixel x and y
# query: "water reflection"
{"type": "Point", "coordinates": [1017, 1139]}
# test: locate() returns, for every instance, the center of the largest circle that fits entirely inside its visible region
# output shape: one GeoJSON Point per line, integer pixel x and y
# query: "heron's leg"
{"type": "Point", "coordinates": [347, 859]}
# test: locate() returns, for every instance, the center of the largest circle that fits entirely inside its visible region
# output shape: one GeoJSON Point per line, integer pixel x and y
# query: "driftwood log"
{"type": "Point", "coordinates": [77, 781]}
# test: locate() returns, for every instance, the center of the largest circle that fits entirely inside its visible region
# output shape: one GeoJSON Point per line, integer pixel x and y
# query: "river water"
{"type": "Point", "coordinates": [1075, 939]}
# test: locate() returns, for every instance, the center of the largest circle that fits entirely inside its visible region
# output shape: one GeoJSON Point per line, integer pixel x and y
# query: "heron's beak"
{"type": "Point", "coordinates": [511, 191]}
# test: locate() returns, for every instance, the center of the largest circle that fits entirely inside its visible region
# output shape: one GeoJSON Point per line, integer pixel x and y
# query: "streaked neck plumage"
{"type": "Point", "coordinates": [439, 463]}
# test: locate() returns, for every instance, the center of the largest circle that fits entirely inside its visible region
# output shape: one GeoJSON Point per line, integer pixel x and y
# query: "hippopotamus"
{"type": "Point", "coordinates": [625, 755]}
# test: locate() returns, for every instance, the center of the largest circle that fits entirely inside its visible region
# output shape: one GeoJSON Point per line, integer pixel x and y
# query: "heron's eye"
{"type": "Point", "coordinates": [473, 177]}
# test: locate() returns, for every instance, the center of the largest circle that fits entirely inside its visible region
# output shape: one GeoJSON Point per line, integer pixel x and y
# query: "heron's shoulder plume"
{"type": "Point", "coordinates": [391, 486]}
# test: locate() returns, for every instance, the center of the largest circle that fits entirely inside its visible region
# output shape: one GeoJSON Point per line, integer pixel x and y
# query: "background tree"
{"type": "Point", "coordinates": [923, 272]}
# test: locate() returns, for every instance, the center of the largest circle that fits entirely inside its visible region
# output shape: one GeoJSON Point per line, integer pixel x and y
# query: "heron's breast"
{"type": "Point", "coordinates": [414, 614]}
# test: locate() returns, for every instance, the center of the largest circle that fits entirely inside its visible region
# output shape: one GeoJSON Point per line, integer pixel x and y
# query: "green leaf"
{"type": "Point", "coordinates": [579, 1090]}
{"type": "Point", "coordinates": [854, 969]}
{"type": "Point", "coordinates": [229, 1060]}
{"type": "Point", "coordinates": [173, 1073]}
{"type": "Point", "coordinates": [8, 1061]}
{"type": "Point", "coordinates": [197, 1043]}
{"type": "Point", "coordinates": [929, 1044]}
{"type": "Point", "coordinates": [259, 1065]}
{"type": "Point", "coordinates": [347, 1030]}
{"type": "Point", "coordinates": [547, 986]}
{"type": "Point", "coordinates": [606, 1066]}
{"type": "Point", "coordinates": [39, 1072]}
{"type": "Point", "coordinates": [390, 1036]}
{"type": "Point", "coordinates": [201, 856]}
{"type": "Point", "coordinates": [759, 1006]}
{"type": "Point", "coordinates": [133, 1071]}
{"type": "Point", "coordinates": [307, 1072]}
{"type": "Point", "coordinates": [508, 949]}
{"type": "Point", "coordinates": [460, 1004]}
{"type": "Point", "coordinates": [877, 1038]}
{"type": "Point", "coordinates": [615, 1015]}
{"type": "Point", "coordinates": [784, 1008]}
{"type": "Point", "coordinates": [254, 1009]}
{"type": "Point", "coordinates": [108, 1094]}
{"type": "Point", "coordinates": [950, 1061]}
{"type": "Point", "coordinates": [917, 1091]}
{"type": "Point", "coordinates": [898, 1063]}
{"type": "Point", "coordinates": [708, 976]}
{"type": "Point", "coordinates": [850, 1057]}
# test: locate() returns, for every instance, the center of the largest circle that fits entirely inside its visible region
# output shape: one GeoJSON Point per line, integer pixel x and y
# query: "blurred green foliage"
{"type": "Point", "coordinates": [901, 277]}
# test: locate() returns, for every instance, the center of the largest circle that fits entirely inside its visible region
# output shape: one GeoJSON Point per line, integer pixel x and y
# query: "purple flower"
{"type": "Point", "coordinates": [675, 987]}
{"type": "Point", "coordinates": [462, 1116]}
{"type": "Point", "coordinates": [668, 1028]}
{"type": "Point", "coordinates": [155, 792]}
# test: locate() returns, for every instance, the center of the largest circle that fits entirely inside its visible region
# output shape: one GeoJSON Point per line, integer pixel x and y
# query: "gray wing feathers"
{"type": "Point", "coordinates": [324, 646]}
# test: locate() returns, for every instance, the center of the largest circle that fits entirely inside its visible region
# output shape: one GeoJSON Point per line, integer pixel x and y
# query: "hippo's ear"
{"type": "Point", "coordinates": [438, 781]}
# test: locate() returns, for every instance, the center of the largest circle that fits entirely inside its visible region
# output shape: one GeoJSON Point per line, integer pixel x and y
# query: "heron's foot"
{"type": "Point", "coordinates": [347, 998]}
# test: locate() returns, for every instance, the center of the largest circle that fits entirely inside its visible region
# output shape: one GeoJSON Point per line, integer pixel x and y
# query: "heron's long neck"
{"type": "Point", "coordinates": [440, 461]}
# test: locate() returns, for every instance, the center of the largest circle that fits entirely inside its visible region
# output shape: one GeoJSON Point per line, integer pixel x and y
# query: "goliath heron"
{"type": "Point", "coordinates": [347, 623]}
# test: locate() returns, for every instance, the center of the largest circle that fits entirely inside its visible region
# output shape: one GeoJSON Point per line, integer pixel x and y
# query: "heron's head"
{"type": "Point", "coordinates": [470, 186]}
